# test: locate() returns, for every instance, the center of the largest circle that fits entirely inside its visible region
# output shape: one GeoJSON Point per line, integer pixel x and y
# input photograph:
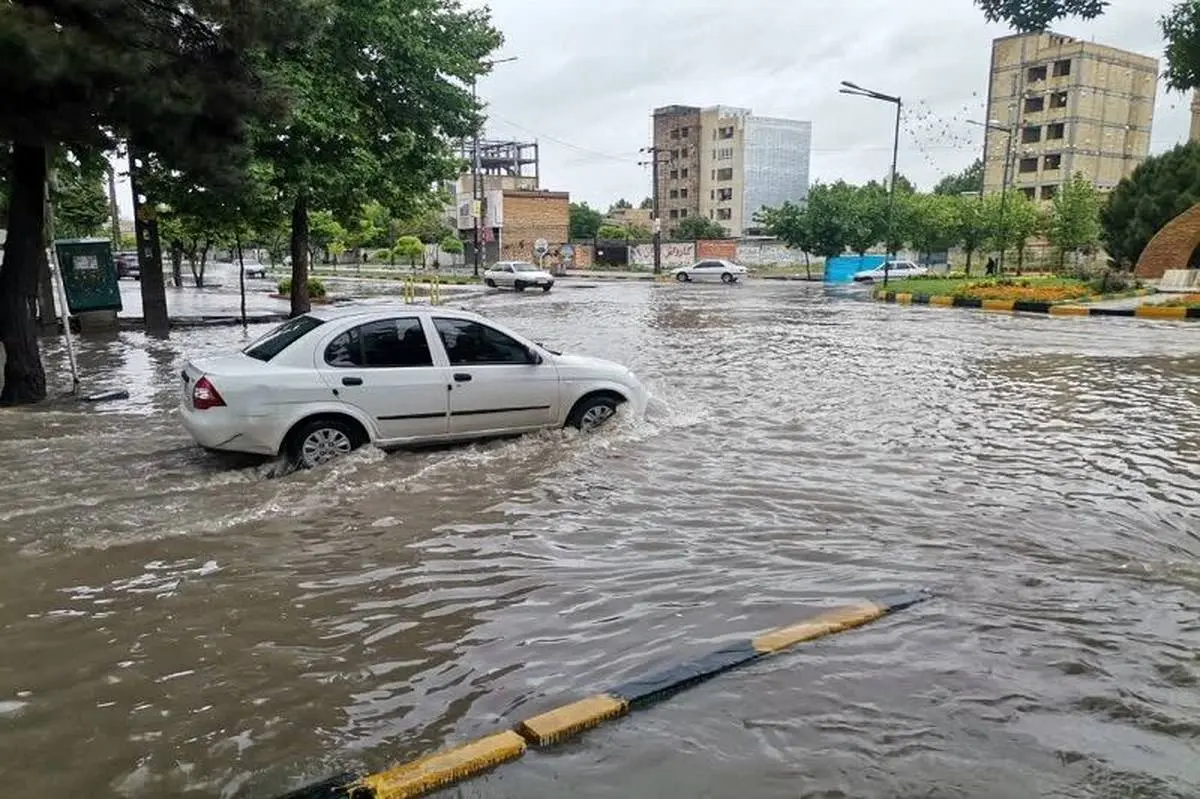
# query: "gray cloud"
{"type": "Point", "coordinates": [589, 75]}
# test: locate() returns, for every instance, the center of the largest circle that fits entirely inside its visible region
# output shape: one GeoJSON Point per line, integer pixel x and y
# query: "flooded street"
{"type": "Point", "coordinates": [177, 623]}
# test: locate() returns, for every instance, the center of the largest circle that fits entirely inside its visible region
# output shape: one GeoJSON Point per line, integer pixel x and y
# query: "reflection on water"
{"type": "Point", "coordinates": [173, 621]}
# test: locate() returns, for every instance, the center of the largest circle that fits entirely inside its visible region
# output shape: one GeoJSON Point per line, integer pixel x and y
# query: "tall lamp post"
{"type": "Point", "coordinates": [477, 186]}
{"type": "Point", "coordinates": [855, 90]}
{"type": "Point", "coordinates": [1002, 229]}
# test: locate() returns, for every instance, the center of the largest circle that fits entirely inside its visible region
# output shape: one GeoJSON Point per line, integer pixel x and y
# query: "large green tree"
{"type": "Point", "coordinates": [827, 219]}
{"type": "Point", "coordinates": [971, 223]}
{"type": "Point", "coordinates": [1180, 27]}
{"type": "Point", "coordinates": [934, 222]}
{"type": "Point", "coordinates": [1074, 222]}
{"type": "Point", "coordinates": [697, 228]}
{"type": "Point", "coordinates": [1159, 190]}
{"type": "Point", "coordinates": [378, 98]}
{"type": "Point", "coordinates": [585, 221]}
{"type": "Point", "coordinates": [178, 80]}
{"type": "Point", "coordinates": [1011, 222]}
{"type": "Point", "coordinates": [969, 180]}
{"type": "Point", "coordinates": [791, 223]}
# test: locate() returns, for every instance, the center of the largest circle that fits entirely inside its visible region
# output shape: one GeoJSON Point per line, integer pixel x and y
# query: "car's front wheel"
{"type": "Point", "coordinates": [321, 440]}
{"type": "Point", "coordinates": [593, 412]}
{"type": "Point", "coordinates": [727, 278]}
{"type": "Point", "coordinates": [519, 285]}
{"type": "Point", "coordinates": [489, 283]}
{"type": "Point", "coordinates": [682, 277]}
{"type": "Point", "coordinates": [547, 287]}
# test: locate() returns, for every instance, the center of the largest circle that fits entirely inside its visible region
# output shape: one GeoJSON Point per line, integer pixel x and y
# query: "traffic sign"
{"type": "Point", "coordinates": [541, 246]}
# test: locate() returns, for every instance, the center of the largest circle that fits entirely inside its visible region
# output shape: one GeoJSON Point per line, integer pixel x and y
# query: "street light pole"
{"type": "Point", "coordinates": [476, 183]}
{"type": "Point", "coordinates": [654, 162]}
{"type": "Point", "coordinates": [855, 90]}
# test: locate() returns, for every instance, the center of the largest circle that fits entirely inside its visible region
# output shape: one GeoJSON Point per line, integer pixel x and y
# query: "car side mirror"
{"type": "Point", "coordinates": [534, 357]}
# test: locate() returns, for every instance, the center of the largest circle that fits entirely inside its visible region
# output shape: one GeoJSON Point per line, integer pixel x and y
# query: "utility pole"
{"type": "Point", "coordinates": [477, 187]}
{"type": "Point", "coordinates": [654, 162]}
{"type": "Point", "coordinates": [114, 210]}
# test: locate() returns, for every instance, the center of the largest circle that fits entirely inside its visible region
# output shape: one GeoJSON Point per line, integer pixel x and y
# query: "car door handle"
{"type": "Point", "coordinates": [462, 377]}
{"type": "Point", "coordinates": [351, 381]}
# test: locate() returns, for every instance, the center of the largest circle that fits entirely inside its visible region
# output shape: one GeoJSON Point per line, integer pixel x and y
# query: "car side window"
{"type": "Point", "coordinates": [389, 343]}
{"type": "Point", "coordinates": [472, 344]}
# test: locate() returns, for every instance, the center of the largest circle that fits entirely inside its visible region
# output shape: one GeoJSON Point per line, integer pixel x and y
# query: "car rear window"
{"type": "Point", "coordinates": [282, 337]}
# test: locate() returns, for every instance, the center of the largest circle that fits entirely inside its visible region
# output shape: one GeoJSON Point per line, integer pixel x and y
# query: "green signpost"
{"type": "Point", "coordinates": [89, 275]}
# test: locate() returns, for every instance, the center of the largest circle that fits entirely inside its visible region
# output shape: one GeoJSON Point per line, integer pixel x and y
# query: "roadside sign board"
{"type": "Point", "coordinates": [541, 246]}
{"type": "Point", "coordinates": [89, 275]}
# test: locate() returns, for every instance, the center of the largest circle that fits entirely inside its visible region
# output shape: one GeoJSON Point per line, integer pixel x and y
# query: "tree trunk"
{"type": "Point", "coordinates": [241, 276]}
{"type": "Point", "coordinates": [807, 267]}
{"type": "Point", "coordinates": [153, 285]}
{"type": "Point", "coordinates": [47, 316]}
{"type": "Point", "coordinates": [24, 377]}
{"type": "Point", "coordinates": [969, 254]}
{"type": "Point", "coordinates": [177, 263]}
{"type": "Point", "coordinates": [203, 263]}
{"type": "Point", "coordinates": [300, 301]}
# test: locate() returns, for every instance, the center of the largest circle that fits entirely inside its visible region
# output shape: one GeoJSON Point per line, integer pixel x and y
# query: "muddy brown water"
{"type": "Point", "coordinates": [177, 624]}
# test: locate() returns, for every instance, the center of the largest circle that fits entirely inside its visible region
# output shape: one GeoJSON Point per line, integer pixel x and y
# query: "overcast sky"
{"type": "Point", "coordinates": [588, 77]}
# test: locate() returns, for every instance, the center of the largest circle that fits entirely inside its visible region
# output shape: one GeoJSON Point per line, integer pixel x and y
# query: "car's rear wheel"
{"type": "Point", "coordinates": [593, 412]}
{"type": "Point", "coordinates": [546, 288]}
{"type": "Point", "coordinates": [727, 278]}
{"type": "Point", "coordinates": [321, 440]}
{"type": "Point", "coordinates": [489, 283]}
{"type": "Point", "coordinates": [519, 285]}
{"type": "Point", "coordinates": [682, 277]}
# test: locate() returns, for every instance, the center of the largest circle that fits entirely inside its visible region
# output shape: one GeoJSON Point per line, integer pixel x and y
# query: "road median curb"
{"type": "Point", "coordinates": [1174, 313]}
{"type": "Point", "coordinates": [459, 763]}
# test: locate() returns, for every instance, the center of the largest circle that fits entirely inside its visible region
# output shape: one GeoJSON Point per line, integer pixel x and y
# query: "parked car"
{"type": "Point", "coordinates": [254, 269]}
{"type": "Point", "coordinates": [711, 270]}
{"type": "Point", "coordinates": [128, 265]}
{"type": "Point", "coordinates": [896, 270]}
{"type": "Point", "coordinates": [518, 276]}
{"type": "Point", "coordinates": [327, 382]}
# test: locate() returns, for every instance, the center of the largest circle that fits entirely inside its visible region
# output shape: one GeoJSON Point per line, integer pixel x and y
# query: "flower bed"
{"type": "Point", "coordinates": [1183, 301]}
{"type": "Point", "coordinates": [1049, 289]}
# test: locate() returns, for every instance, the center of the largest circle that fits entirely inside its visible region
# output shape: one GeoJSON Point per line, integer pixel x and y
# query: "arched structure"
{"type": "Point", "coordinates": [1172, 247]}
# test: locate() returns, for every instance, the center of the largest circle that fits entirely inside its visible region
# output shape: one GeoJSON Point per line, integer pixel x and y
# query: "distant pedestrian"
{"type": "Point", "coordinates": [991, 266]}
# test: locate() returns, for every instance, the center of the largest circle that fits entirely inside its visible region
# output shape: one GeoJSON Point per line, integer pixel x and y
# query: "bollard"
{"type": "Point", "coordinates": [451, 766]}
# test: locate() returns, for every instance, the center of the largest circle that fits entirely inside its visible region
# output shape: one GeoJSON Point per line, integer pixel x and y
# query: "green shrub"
{"type": "Point", "coordinates": [315, 287]}
{"type": "Point", "coordinates": [1111, 282]}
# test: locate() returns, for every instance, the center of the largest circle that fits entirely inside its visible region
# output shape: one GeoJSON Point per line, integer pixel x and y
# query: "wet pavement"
{"type": "Point", "coordinates": [179, 624]}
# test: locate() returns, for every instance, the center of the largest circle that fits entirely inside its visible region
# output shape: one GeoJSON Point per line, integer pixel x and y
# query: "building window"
{"type": "Point", "coordinates": [674, 195]}
{"type": "Point", "coordinates": [675, 133]}
{"type": "Point", "coordinates": [724, 214]}
{"type": "Point", "coordinates": [1058, 100]}
{"type": "Point", "coordinates": [712, 195]}
{"type": "Point", "coordinates": [1056, 131]}
{"type": "Point", "coordinates": [683, 173]}
{"type": "Point", "coordinates": [1052, 162]}
{"type": "Point", "coordinates": [1034, 105]}
{"type": "Point", "coordinates": [684, 132]}
{"type": "Point", "coordinates": [1062, 68]}
{"type": "Point", "coordinates": [674, 155]}
{"type": "Point", "coordinates": [714, 174]}
{"type": "Point", "coordinates": [683, 193]}
{"type": "Point", "coordinates": [726, 133]}
{"type": "Point", "coordinates": [712, 214]}
{"type": "Point", "coordinates": [1028, 165]}
{"type": "Point", "coordinates": [1032, 134]}
{"type": "Point", "coordinates": [1029, 192]}
{"type": "Point", "coordinates": [725, 174]}
{"type": "Point", "coordinates": [1048, 192]}
{"type": "Point", "coordinates": [725, 195]}
{"type": "Point", "coordinates": [725, 154]}
{"type": "Point", "coordinates": [674, 174]}
{"type": "Point", "coordinates": [683, 213]}
{"type": "Point", "coordinates": [674, 213]}
{"type": "Point", "coordinates": [1037, 73]}
{"type": "Point", "coordinates": [683, 152]}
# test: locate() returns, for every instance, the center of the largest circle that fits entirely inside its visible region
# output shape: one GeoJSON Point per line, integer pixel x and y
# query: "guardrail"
{"type": "Point", "coordinates": [443, 769]}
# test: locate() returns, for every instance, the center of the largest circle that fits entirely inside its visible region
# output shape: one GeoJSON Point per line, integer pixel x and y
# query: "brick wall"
{"type": "Point", "coordinates": [533, 215]}
{"type": "Point", "coordinates": [722, 249]}
{"type": "Point", "coordinates": [1171, 247]}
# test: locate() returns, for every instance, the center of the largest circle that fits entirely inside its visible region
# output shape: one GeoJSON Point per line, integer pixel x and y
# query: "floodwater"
{"type": "Point", "coordinates": [177, 624]}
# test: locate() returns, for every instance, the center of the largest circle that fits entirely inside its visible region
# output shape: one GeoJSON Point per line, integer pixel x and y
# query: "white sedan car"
{"type": "Point", "coordinates": [518, 276]}
{"type": "Point", "coordinates": [896, 270]}
{"type": "Point", "coordinates": [711, 270]}
{"type": "Point", "coordinates": [324, 383]}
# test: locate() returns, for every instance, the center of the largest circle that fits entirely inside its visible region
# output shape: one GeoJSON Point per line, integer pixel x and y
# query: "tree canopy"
{"type": "Point", "coordinates": [1159, 190]}
{"type": "Point", "coordinates": [697, 228]}
{"type": "Point", "coordinates": [585, 221]}
{"type": "Point", "coordinates": [1074, 224]}
{"type": "Point", "coordinates": [969, 180]}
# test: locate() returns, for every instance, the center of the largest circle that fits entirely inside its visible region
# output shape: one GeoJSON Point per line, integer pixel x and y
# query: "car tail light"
{"type": "Point", "coordinates": [205, 395]}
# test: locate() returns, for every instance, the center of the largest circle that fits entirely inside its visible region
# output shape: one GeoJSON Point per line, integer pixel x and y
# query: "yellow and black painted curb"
{"type": "Point", "coordinates": [452, 766]}
{"type": "Point", "coordinates": [1024, 306]}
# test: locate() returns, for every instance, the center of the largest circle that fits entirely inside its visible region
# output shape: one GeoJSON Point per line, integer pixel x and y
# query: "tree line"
{"type": "Point", "coordinates": [246, 119]}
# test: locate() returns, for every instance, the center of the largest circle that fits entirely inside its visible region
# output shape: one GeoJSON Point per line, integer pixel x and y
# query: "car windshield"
{"type": "Point", "coordinates": [524, 267]}
{"type": "Point", "coordinates": [282, 337]}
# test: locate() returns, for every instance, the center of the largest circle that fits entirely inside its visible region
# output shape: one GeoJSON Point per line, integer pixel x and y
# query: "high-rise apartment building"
{"type": "Point", "coordinates": [1072, 106]}
{"type": "Point", "coordinates": [725, 164]}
